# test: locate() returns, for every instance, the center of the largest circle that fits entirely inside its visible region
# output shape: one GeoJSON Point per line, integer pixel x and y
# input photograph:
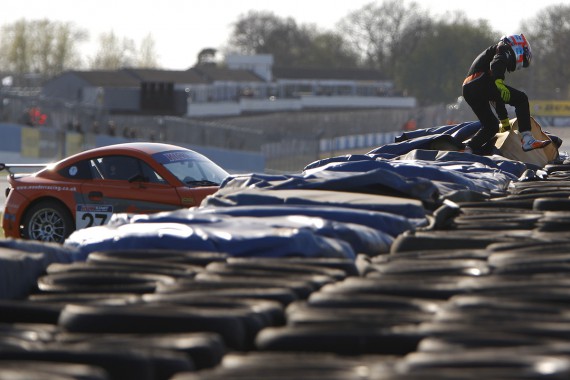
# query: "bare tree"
{"type": "Point", "coordinates": [434, 70]}
{"type": "Point", "coordinates": [329, 49]}
{"type": "Point", "coordinates": [114, 53]}
{"type": "Point", "coordinates": [251, 31]}
{"type": "Point", "coordinates": [549, 37]}
{"type": "Point", "coordinates": [377, 31]}
{"type": "Point", "coordinates": [146, 54]}
{"type": "Point", "coordinates": [40, 46]}
{"type": "Point", "coordinates": [290, 44]}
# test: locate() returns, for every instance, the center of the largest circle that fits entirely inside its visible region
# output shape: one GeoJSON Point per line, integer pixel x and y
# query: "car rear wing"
{"type": "Point", "coordinates": [13, 169]}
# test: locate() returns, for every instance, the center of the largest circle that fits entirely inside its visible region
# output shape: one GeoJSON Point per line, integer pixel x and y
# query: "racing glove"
{"type": "Point", "coordinates": [503, 90]}
{"type": "Point", "coordinates": [505, 125]}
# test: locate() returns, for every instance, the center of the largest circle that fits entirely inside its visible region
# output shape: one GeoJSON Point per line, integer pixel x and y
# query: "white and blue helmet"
{"type": "Point", "coordinates": [521, 48]}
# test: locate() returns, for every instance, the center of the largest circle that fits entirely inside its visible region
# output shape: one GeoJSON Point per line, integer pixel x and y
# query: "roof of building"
{"type": "Point", "coordinates": [129, 77]}
{"type": "Point", "coordinates": [212, 73]}
{"type": "Point", "coordinates": [172, 76]}
{"type": "Point", "coordinates": [107, 78]}
{"type": "Point", "coordinates": [204, 74]}
{"type": "Point", "coordinates": [325, 73]}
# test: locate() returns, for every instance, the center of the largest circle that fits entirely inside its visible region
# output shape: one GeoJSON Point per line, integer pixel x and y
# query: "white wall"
{"type": "Point", "coordinates": [295, 104]}
{"type": "Point", "coordinates": [312, 101]}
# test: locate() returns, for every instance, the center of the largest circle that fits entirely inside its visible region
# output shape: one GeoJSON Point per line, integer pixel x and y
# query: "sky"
{"type": "Point", "coordinates": [181, 28]}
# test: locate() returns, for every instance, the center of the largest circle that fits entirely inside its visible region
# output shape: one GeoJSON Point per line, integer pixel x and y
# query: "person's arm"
{"type": "Point", "coordinates": [503, 115]}
{"type": "Point", "coordinates": [498, 68]}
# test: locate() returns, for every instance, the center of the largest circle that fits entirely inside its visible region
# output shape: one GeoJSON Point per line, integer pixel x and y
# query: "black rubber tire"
{"type": "Point", "coordinates": [48, 221]}
{"type": "Point", "coordinates": [554, 222]}
{"type": "Point", "coordinates": [129, 266]}
{"type": "Point", "coordinates": [165, 319]}
{"type": "Point", "coordinates": [198, 258]}
{"type": "Point", "coordinates": [325, 299]}
{"type": "Point", "coordinates": [18, 311]}
{"type": "Point", "coordinates": [443, 254]}
{"type": "Point", "coordinates": [300, 288]}
{"type": "Point", "coordinates": [486, 211]}
{"type": "Point", "coordinates": [482, 364]}
{"type": "Point", "coordinates": [525, 204]}
{"type": "Point", "coordinates": [287, 365]}
{"type": "Point", "coordinates": [85, 298]}
{"type": "Point", "coordinates": [506, 258]}
{"type": "Point", "coordinates": [548, 294]}
{"type": "Point", "coordinates": [281, 278]}
{"type": "Point", "coordinates": [430, 287]}
{"type": "Point", "coordinates": [551, 204]}
{"type": "Point", "coordinates": [126, 364]}
{"type": "Point", "coordinates": [27, 332]}
{"type": "Point", "coordinates": [475, 339]}
{"type": "Point", "coordinates": [538, 187]}
{"type": "Point", "coordinates": [205, 349]}
{"type": "Point", "coordinates": [410, 242]}
{"type": "Point", "coordinates": [301, 314]}
{"type": "Point", "coordinates": [450, 267]}
{"type": "Point", "coordinates": [49, 371]}
{"type": "Point", "coordinates": [519, 317]}
{"type": "Point", "coordinates": [497, 221]}
{"type": "Point", "coordinates": [101, 282]}
{"type": "Point", "coordinates": [343, 340]}
{"type": "Point", "coordinates": [555, 269]}
{"type": "Point", "coordinates": [550, 244]}
{"type": "Point", "coordinates": [282, 295]}
{"type": "Point", "coordinates": [344, 264]}
{"type": "Point", "coordinates": [272, 312]}
{"type": "Point", "coordinates": [284, 267]}
{"type": "Point", "coordinates": [551, 168]}
{"type": "Point", "coordinates": [531, 195]}
{"type": "Point", "coordinates": [519, 306]}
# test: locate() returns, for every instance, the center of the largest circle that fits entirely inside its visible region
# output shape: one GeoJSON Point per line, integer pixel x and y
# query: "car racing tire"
{"type": "Point", "coordinates": [49, 232]}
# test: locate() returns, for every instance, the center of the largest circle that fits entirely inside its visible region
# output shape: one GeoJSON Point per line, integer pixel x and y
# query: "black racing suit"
{"type": "Point", "coordinates": [479, 90]}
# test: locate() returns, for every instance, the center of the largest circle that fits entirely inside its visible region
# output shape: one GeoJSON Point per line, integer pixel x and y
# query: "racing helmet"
{"type": "Point", "coordinates": [521, 48]}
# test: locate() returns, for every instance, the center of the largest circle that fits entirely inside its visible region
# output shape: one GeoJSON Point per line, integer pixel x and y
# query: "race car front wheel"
{"type": "Point", "coordinates": [47, 221]}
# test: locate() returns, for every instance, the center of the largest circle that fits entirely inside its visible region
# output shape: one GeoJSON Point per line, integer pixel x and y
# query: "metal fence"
{"type": "Point", "coordinates": [288, 141]}
{"type": "Point", "coordinates": [29, 108]}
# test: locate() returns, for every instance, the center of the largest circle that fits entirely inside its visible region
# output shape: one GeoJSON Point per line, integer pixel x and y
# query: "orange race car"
{"type": "Point", "coordinates": [87, 188]}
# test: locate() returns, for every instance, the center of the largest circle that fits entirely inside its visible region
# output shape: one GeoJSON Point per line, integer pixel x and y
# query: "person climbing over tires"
{"type": "Point", "coordinates": [485, 87]}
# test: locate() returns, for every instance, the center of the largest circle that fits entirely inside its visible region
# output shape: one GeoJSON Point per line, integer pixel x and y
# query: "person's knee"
{"type": "Point", "coordinates": [519, 98]}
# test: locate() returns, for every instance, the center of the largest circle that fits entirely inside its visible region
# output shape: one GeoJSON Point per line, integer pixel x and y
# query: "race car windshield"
{"type": "Point", "coordinates": [191, 168]}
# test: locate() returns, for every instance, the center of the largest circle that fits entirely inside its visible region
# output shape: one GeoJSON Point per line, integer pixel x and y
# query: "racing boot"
{"type": "Point", "coordinates": [530, 143]}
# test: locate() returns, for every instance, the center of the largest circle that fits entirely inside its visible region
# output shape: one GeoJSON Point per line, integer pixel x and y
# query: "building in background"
{"type": "Point", "coordinates": [242, 85]}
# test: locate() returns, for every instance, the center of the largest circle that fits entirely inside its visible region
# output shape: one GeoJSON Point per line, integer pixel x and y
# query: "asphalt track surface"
{"type": "Point", "coordinates": [482, 293]}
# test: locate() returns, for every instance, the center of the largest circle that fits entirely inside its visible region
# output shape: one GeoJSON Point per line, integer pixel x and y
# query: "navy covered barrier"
{"type": "Point", "coordinates": [22, 262]}
{"type": "Point", "coordinates": [337, 207]}
{"type": "Point", "coordinates": [239, 236]}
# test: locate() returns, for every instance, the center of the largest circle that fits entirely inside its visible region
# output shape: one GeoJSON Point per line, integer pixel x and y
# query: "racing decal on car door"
{"type": "Point", "coordinates": [92, 215]}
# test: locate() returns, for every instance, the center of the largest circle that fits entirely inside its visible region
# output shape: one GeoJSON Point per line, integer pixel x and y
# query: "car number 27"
{"type": "Point", "coordinates": [92, 215]}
